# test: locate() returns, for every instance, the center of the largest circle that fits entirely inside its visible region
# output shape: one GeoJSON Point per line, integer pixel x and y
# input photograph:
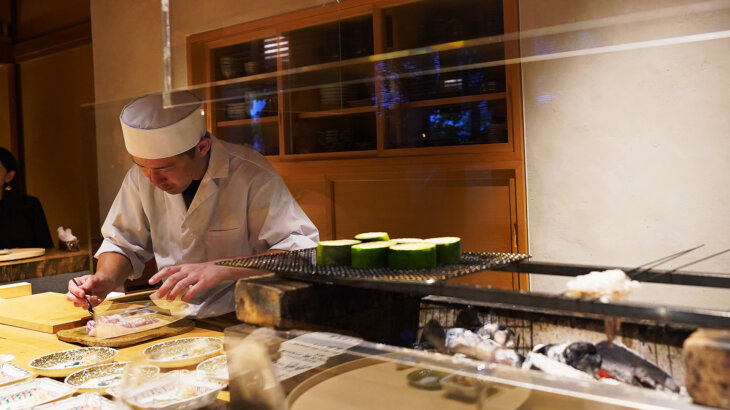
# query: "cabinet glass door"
{"type": "Point", "coordinates": [329, 88]}
{"type": "Point", "coordinates": [245, 108]}
{"type": "Point", "coordinates": [449, 85]}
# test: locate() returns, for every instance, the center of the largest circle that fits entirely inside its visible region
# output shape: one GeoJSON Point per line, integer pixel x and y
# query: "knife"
{"type": "Point", "coordinates": [87, 300]}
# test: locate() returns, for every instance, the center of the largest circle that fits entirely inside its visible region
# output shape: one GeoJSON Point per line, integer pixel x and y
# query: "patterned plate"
{"type": "Point", "coordinates": [11, 373]}
{"type": "Point", "coordinates": [85, 401]}
{"type": "Point", "coordinates": [178, 389]}
{"type": "Point", "coordinates": [215, 368]}
{"type": "Point", "coordinates": [61, 364]}
{"type": "Point", "coordinates": [31, 393]}
{"type": "Point", "coordinates": [183, 352]}
{"type": "Point", "coordinates": [101, 377]}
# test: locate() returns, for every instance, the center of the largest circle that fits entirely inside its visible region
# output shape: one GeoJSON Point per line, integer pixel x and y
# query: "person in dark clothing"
{"type": "Point", "coordinates": [22, 221]}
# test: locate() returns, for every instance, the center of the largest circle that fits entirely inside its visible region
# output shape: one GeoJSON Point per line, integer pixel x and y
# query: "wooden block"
{"type": "Point", "coordinates": [15, 290]}
{"type": "Point", "coordinates": [707, 367]}
{"type": "Point", "coordinates": [79, 335]}
{"type": "Point", "coordinates": [48, 312]}
{"type": "Point", "coordinates": [284, 304]}
{"type": "Point", "coordinates": [267, 301]}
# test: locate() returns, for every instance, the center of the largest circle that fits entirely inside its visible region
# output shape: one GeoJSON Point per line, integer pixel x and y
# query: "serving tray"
{"type": "Point", "coordinates": [11, 373]}
{"type": "Point", "coordinates": [81, 402]}
{"type": "Point", "coordinates": [350, 385]}
{"type": "Point", "coordinates": [32, 393]}
{"type": "Point", "coordinates": [79, 335]}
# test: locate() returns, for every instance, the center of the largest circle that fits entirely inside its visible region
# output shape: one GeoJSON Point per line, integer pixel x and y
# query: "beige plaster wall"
{"type": "Point", "coordinates": [627, 148]}
{"type": "Point", "coordinates": [53, 88]}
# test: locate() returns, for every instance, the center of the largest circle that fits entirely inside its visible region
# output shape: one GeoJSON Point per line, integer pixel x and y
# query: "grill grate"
{"type": "Point", "coordinates": [303, 262]}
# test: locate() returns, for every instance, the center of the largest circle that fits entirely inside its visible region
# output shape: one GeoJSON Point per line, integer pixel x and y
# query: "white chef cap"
{"type": "Point", "coordinates": [152, 131]}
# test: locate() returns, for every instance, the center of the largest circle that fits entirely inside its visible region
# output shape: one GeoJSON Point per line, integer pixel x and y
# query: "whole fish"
{"type": "Point", "coordinates": [621, 363]}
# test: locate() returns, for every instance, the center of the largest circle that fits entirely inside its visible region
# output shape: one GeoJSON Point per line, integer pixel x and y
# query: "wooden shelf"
{"type": "Point", "coordinates": [337, 112]}
{"type": "Point", "coordinates": [248, 121]}
{"type": "Point", "coordinates": [454, 100]}
{"type": "Point", "coordinates": [329, 155]}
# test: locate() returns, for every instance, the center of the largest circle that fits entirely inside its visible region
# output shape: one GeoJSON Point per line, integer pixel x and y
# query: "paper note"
{"type": "Point", "coordinates": [309, 351]}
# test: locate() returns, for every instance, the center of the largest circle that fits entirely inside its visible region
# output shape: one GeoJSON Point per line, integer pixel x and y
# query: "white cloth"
{"type": "Point", "coordinates": [242, 207]}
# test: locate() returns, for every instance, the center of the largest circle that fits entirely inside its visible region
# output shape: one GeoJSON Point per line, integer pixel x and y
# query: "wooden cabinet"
{"type": "Point", "coordinates": [395, 115]}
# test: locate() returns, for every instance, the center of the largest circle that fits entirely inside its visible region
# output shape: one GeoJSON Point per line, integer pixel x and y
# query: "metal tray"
{"type": "Point", "coordinates": [301, 262]}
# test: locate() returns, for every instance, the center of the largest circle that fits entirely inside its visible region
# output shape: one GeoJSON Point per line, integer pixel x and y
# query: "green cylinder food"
{"type": "Point", "coordinates": [372, 236]}
{"type": "Point", "coordinates": [412, 256]}
{"type": "Point", "coordinates": [370, 254]}
{"type": "Point", "coordinates": [448, 249]}
{"type": "Point", "coordinates": [335, 253]}
{"type": "Point", "coordinates": [407, 240]}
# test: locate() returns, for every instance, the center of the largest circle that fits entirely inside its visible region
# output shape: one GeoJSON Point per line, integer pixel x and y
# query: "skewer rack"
{"type": "Point", "coordinates": [299, 265]}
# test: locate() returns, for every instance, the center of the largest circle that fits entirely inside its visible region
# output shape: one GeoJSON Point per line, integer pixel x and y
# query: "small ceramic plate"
{"type": "Point", "coordinates": [426, 379]}
{"type": "Point", "coordinates": [32, 393]}
{"type": "Point", "coordinates": [215, 368]}
{"type": "Point", "coordinates": [178, 389]}
{"type": "Point", "coordinates": [84, 401]}
{"type": "Point", "coordinates": [61, 364]}
{"type": "Point", "coordinates": [462, 386]}
{"type": "Point", "coordinates": [103, 376]}
{"type": "Point", "coordinates": [11, 373]}
{"type": "Point", "coordinates": [183, 352]}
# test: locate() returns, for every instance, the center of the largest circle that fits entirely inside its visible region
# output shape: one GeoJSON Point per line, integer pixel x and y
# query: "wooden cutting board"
{"type": "Point", "coordinates": [79, 335]}
{"type": "Point", "coordinates": [45, 312]}
{"type": "Point", "coordinates": [20, 253]}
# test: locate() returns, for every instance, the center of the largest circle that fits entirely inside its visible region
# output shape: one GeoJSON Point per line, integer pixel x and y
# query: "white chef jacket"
{"type": "Point", "coordinates": [242, 207]}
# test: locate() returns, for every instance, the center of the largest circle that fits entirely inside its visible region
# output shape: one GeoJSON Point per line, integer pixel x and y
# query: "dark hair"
{"type": "Point", "coordinates": [8, 161]}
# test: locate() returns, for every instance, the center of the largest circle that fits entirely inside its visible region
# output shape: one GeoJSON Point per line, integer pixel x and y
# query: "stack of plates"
{"type": "Point", "coordinates": [236, 111]}
{"type": "Point", "coordinates": [332, 97]}
{"type": "Point", "coordinates": [496, 133]}
{"type": "Point", "coordinates": [231, 66]}
{"type": "Point", "coordinates": [334, 140]}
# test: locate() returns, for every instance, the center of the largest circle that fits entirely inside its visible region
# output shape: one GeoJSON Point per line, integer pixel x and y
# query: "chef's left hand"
{"type": "Point", "coordinates": [189, 279]}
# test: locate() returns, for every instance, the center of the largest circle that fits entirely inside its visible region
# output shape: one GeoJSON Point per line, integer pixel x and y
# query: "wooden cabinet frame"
{"type": "Point", "coordinates": [315, 179]}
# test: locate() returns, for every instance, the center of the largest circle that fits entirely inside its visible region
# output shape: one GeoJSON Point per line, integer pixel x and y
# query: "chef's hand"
{"type": "Point", "coordinates": [94, 287]}
{"type": "Point", "coordinates": [189, 279]}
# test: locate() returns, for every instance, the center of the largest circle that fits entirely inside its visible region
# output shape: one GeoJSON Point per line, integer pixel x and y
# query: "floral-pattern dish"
{"type": "Point", "coordinates": [179, 389]}
{"type": "Point", "coordinates": [104, 376]}
{"type": "Point", "coordinates": [183, 352]}
{"type": "Point", "coordinates": [215, 368]}
{"type": "Point", "coordinates": [61, 364]}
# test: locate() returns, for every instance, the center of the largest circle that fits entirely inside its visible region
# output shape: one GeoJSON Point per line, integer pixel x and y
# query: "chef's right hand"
{"type": "Point", "coordinates": [94, 287]}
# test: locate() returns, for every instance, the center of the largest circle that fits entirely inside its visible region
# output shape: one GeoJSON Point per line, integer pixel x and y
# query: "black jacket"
{"type": "Point", "coordinates": [23, 223]}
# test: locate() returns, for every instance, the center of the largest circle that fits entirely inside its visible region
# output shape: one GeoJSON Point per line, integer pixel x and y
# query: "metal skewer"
{"type": "Point", "coordinates": [697, 261]}
{"type": "Point", "coordinates": [633, 273]}
{"type": "Point", "coordinates": [90, 309]}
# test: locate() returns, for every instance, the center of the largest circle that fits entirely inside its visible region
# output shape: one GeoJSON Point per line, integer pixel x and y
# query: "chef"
{"type": "Point", "coordinates": [190, 200]}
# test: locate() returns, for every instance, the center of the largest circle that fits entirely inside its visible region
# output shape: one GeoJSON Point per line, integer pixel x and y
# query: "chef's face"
{"type": "Point", "coordinates": [174, 174]}
{"type": "Point", "coordinates": [171, 174]}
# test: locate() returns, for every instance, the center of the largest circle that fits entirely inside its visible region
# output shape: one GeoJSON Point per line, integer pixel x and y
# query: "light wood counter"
{"type": "Point", "coordinates": [26, 345]}
{"type": "Point", "coordinates": [53, 262]}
